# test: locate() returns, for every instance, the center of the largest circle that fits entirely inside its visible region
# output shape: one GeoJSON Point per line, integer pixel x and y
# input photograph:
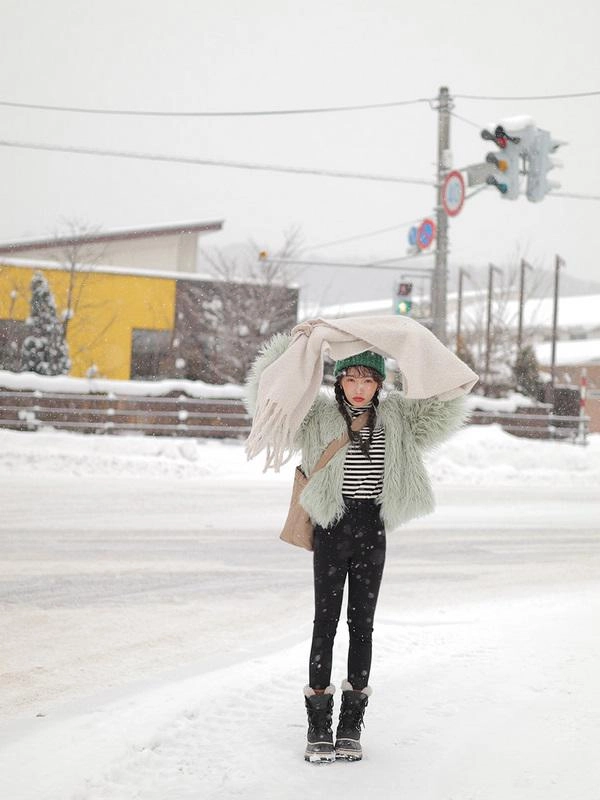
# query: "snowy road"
{"type": "Point", "coordinates": [161, 632]}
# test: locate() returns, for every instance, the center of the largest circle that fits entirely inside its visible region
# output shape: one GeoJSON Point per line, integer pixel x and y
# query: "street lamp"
{"type": "Point", "coordinates": [558, 263]}
{"type": "Point", "coordinates": [461, 273]}
{"type": "Point", "coordinates": [488, 338]}
{"type": "Point", "coordinates": [524, 266]}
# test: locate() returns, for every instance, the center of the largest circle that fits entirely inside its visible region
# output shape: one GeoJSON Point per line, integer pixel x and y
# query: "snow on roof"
{"type": "Point", "coordinates": [580, 351]}
{"type": "Point", "coordinates": [579, 311]}
{"type": "Point", "coordinates": [100, 268]}
{"type": "Point", "coordinates": [139, 232]}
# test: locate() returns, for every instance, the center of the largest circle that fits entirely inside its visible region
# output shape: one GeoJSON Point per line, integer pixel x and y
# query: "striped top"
{"type": "Point", "coordinates": [363, 477]}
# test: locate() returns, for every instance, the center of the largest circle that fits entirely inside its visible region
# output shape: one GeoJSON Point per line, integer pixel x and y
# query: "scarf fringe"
{"type": "Point", "coordinates": [271, 431]}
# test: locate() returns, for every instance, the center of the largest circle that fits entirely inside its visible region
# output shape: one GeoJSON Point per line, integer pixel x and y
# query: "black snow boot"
{"type": "Point", "coordinates": [347, 737]}
{"type": "Point", "coordinates": [319, 740]}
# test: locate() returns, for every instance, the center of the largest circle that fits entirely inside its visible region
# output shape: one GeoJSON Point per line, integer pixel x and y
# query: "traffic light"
{"type": "Point", "coordinates": [523, 150]}
{"type": "Point", "coordinates": [505, 163]}
{"type": "Point", "coordinates": [403, 298]}
{"type": "Point", "coordinates": [539, 163]}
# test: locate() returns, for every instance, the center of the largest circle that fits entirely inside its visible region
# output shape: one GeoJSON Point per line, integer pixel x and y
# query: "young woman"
{"type": "Point", "coordinates": [374, 483]}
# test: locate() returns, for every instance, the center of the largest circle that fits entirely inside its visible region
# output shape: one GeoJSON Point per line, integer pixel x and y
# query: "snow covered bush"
{"type": "Point", "coordinates": [44, 350]}
{"type": "Point", "coordinates": [526, 371]}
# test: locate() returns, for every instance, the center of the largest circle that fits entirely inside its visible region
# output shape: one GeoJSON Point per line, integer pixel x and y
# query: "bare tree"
{"type": "Point", "coordinates": [503, 330]}
{"type": "Point", "coordinates": [235, 314]}
{"type": "Point", "coordinates": [79, 256]}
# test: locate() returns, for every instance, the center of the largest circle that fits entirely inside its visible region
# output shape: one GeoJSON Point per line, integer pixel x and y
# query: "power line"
{"type": "Point", "coordinates": [215, 163]}
{"type": "Point", "coordinates": [528, 97]}
{"type": "Point", "coordinates": [280, 112]}
{"type": "Point", "coordinates": [370, 264]}
{"type": "Point", "coordinates": [268, 113]}
{"type": "Point", "coordinates": [575, 196]}
{"type": "Point", "coordinates": [399, 226]}
{"type": "Point", "coordinates": [468, 121]}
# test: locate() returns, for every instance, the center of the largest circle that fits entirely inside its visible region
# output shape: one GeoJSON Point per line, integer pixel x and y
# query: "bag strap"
{"type": "Point", "coordinates": [358, 423]}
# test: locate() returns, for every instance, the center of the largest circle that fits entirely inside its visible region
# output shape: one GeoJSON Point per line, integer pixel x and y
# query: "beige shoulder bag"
{"type": "Point", "coordinates": [298, 528]}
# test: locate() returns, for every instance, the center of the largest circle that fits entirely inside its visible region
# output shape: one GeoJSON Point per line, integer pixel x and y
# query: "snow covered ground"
{"type": "Point", "coordinates": [155, 632]}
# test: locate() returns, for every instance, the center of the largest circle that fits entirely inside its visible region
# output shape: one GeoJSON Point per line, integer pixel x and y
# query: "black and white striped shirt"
{"type": "Point", "coordinates": [363, 477]}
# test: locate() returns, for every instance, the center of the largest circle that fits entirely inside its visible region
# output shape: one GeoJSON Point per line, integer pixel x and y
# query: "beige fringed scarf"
{"type": "Point", "coordinates": [288, 386]}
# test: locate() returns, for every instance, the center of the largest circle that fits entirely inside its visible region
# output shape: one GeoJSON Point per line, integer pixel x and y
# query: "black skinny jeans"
{"type": "Point", "coordinates": [354, 546]}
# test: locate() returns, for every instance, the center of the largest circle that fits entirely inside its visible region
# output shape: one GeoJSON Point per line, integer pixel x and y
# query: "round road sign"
{"type": "Point", "coordinates": [453, 193]}
{"type": "Point", "coordinates": [425, 234]}
{"type": "Point", "coordinates": [412, 236]}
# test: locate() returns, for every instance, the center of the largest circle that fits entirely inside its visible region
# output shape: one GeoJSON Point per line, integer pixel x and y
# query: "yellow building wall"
{"type": "Point", "coordinates": [106, 308]}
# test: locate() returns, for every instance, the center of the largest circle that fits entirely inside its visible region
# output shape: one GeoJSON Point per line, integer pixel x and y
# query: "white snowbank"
{"type": "Point", "coordinates": [507, 404]}
{"type": "Point", "coordinates": [479, 455]}
{"type": "Point", "coordinates": [31, 381]}
{"type": "Point", "coordinates": [485, 455]}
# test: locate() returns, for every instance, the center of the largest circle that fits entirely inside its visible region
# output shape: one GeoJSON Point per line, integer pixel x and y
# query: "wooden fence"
{"type": "Point", "coordinates": [88, 413]}
{"type": "Point", "coordinates": [179, 415]}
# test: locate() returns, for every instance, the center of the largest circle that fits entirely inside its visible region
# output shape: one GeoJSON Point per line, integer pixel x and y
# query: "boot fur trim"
{"type": "Point", "coordinates": [347, 687]}
{"type": "Point", "coordinates": [309, 691]}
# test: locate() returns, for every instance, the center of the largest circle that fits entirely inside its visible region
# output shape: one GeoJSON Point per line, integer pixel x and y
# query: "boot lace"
{"type": "Point", "coordinates": [319, 719]}
{"type": "Point", "coordinates": [353, 716]}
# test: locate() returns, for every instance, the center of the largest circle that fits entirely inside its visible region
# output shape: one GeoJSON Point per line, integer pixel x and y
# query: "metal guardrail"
{"type": "Point", "coordinates": [549, 426]}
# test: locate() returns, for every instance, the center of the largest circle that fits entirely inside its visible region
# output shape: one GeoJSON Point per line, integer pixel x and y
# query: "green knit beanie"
{"type": "Point", "coordinates": [366, 359]}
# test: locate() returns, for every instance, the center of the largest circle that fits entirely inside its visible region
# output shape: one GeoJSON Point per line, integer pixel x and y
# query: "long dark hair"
{"type": "Point", "coordinates": [364, 444]}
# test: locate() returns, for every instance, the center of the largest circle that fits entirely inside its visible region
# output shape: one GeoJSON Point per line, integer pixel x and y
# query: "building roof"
{"type": "Point", "coordinates": [111, 236]}
{"type": "Point", "coordinates": [569, 353]}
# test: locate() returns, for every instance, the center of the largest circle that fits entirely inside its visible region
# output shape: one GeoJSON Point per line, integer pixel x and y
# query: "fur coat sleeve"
{"type": "Point", "coordinates": [430, 421]}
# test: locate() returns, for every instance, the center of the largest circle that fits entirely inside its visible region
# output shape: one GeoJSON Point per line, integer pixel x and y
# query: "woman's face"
{"type": "Point", "coordinates": [359, 389]}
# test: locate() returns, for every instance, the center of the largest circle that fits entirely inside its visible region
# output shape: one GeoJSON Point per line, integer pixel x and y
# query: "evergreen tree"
{"type": "Point", "coordinates": [44, 350]}
{"type": "Point", "coordinates": [526, 371]}
{"type": "Point", "coordinates": [465, 354]}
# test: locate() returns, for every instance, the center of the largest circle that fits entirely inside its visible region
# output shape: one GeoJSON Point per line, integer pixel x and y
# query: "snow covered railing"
{"type": "Point", "coordinates": [65, 384]}
{"type": "Point", "coordinates": [108, 413]}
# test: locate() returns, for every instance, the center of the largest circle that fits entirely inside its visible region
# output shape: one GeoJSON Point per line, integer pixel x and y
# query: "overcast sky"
{"type": "Point", "coordinates": [247, 56]}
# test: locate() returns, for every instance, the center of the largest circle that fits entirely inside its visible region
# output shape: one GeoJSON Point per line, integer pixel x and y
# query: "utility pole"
{"type": "Point", "coordinates": [461, 273]}
{"type": "Point", "coordinates": [488, 337]}
{"type": "Point", "coordinates": [440, 273]}
{"type": "Point", "coordinates": [557, 265]}
{"type": "Point", "coordinates": [524, 266]}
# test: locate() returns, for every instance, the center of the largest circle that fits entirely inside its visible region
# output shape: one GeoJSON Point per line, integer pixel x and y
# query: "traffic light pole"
{"type": "Point", "coordinates": [440, 273]}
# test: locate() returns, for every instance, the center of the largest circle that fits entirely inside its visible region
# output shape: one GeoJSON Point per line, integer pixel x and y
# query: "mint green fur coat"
{"type": "Point", "coordinates": [411, 427]}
